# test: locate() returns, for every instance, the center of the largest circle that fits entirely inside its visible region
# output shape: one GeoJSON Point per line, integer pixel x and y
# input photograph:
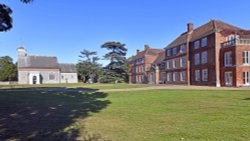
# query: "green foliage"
{"type": "Point", "coordinates": [8, 70]}
{"type": "Point", "coordinates": [116, 70]}
{"type": "Point", "coordinates": [5, 18]}
{"type": "Point", "coordinates": [88, 67]}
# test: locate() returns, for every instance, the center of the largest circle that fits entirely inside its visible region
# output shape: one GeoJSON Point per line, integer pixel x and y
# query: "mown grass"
{"type": "Point", "coordinates": [80, 85]}
{"type": "Point", "coordinates": [153, 115]}
{"type": "Point", "coordinates": [174, 115]}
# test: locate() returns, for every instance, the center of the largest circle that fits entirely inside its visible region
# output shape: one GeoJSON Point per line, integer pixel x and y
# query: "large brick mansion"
{"type": "Point", "coordinates": [216, 54]}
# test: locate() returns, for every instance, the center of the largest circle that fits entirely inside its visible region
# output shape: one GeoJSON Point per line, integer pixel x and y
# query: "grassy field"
{"type": "Point", "coordinates": [80, 85]}
{"type": "Point", "coordinates": [154, 115]}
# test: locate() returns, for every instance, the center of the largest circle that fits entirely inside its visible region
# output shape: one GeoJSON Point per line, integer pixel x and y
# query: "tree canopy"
{"type": "Point", "coordinates": [5, 18]}
{"type": "Point", "coordinates": [88, 67]}
{"type": "Point", "coordinates": [8, 70]}
{"type": "Point", "coordinates": [116, 70]}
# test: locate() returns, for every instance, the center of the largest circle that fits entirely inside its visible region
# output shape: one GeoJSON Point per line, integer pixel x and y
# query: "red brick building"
{"type": "Point", "coordinates": [216, 54]}
{"type": "Point", "coordinates": [141, 64]}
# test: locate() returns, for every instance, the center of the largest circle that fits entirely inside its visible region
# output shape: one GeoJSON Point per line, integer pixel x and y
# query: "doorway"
{"type": "Point", "coordinates": [228, 78]}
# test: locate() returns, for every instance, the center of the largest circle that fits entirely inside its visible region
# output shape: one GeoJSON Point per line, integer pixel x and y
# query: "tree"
{"type": "Point", "coordinates": [115, 71]}
{"type": "Point", "coordinates": [8, 70]}
{"type": "Point", "coordinates": [88, 67]}
{"type": "Point", "coordinates": [5, 18]}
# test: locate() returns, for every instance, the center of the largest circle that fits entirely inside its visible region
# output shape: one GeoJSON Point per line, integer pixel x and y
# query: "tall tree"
{"type": "Point", "coordinates": [5, 18]}
{"type": "Point", "coordinates": [8, 70]}
{"type": "Point", "coordinates": [88, 67]}
{"type": "Point", "coordinates": [115, 71]}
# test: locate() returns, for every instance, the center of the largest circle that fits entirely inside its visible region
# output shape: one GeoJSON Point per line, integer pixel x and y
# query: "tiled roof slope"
{"type": "Point", "coordinates": [67, 68]}
{"type": "Point", "coordinates": [160, 57]}
{"type": "Point", "coordinates": [148, 51]}
{"type": "Point", "coordinates": [38, 62]}
{"type": "Point", "coordinates": [204, 30]}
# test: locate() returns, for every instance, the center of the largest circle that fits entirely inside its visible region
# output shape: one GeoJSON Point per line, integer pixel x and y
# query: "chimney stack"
{"type": "Point", "coordinates": [190, 27]}
{"type": "Point", "coordinates": [137, 51]}
{"type": "Point", "coordinates": [146, 47]}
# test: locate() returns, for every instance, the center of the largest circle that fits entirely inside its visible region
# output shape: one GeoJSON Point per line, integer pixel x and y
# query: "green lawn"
{"type": "Point", "coordinates": [154, 115]}
{"type": "Point", "coordinates": [80, 85]}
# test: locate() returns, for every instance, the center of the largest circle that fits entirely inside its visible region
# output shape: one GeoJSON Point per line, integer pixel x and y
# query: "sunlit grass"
{"type": "Point", "coordinates": [174, 115]}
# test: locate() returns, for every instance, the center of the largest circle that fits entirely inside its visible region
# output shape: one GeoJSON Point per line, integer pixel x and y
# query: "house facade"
{"type": "Point", "coordinates": [43, 70]}
{"type": "Point", "coordinates": [140, 66]}
{"type": "Point", "coordinates": [216, 54]}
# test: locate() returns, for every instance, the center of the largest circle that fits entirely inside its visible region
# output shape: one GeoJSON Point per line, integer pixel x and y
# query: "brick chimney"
{"type": "Point", "coordinates": [190, 27]}
{"type": "Point", "coordinates": [137, 51]}
{"type": "Point", "coordinates": [146, 47]}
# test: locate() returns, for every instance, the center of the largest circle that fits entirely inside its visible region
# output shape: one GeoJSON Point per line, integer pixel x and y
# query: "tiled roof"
{"type": "Point", "coordinates": [160, 57]}
{"type": "Point", "coordinates": [67, 68]}
{"type": "Point", "coordinates": [204, 30]}
{"type": "Point", "coordinates": [38, 62]}
{"type": "Point", "coordinates": [148, 51]}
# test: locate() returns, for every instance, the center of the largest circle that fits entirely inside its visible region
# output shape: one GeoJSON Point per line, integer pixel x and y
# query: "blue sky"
{"type": "Point", "coordinates": [63, 28]}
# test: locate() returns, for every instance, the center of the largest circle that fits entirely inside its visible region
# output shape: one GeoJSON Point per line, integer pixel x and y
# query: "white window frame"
{"type": "Point", "coordinates": [168, 64]}
{"type": "Point", "coordinates": [228, 59]}
{"type": "Point", "coordinates": [182, 49]}
{"type": "Point", "coordinates": [175, 76]}
{"type": "Point", "coordinates": [204, 42]}
{"type": "Point", "coordinates": [163, 76]}
{"type": "Point", "coordinates": [197, 75]}
{"type": "Point", "coordinates": [197, 44]}
{"type": "Point", "coordinates": [197, 59]}
{"type": "Point", "coordinates": [204, 74]}
{"type": "Point", "coordinates": [174, 50]}
{"type": "Point", "coordinates": [169, 76]}
{"type": "Point", "coordinates": [228, 76]}
{"type": "Point", "coordinates": [183, 76]}
{"type": "Point", "coordinates": [182, 62]}
{"type": "Point", "coordinates": [246, 77]}
{"type": "Point", "coordinates": [169, 52]}
{"type": "Point", "coordinates": [204, 57]}
{"type": "Point", "coordinates": [246, 57]}
{"type": "Point", "coordinates": [175, 63]}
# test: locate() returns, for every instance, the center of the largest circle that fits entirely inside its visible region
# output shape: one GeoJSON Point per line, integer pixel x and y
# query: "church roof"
{"type": "Point", "coordinates": [45, 62]}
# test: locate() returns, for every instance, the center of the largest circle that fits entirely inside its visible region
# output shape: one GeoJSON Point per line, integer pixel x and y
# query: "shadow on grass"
{"type": "Point", "coordinates": [246, 98]}
{"type": "Point", "coordinates": [47, 115]}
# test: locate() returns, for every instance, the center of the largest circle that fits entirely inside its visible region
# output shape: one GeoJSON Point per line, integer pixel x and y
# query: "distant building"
{"type": "Point", "coordinates": [141, 65]}
{"type": "Point", "coordinates": [43, 70]}
{"type": "Point", "coordinates": [216, 54]}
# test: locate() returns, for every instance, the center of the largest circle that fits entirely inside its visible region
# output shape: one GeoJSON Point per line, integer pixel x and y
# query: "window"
{"type": "Point", "coordinates": [246, 57]}
{"type": "Point", "coordinates": [197, 75]}
{"type": "Point", "coordinates": [174, 51]}
{"type": "Point", "coordinates": [174, 63]}
{"type": "Point", "coordinates": [169, 76]}
{"type": "Point", "coordinates": [182, 49]}
{"type": "Point", "coordinates": [169, 52]}
{"type": "Point", "coordinates": [183, 76]}
{"type": "Point", "coordinates": [51, 76]}
{"type": "Point", "coordinates": [246, 78]}
{"type": "Point", "coordinates": [175, 76]}
{"type": "Point", "coordinates": [204, 57]}
{"type": "Point", "coordinates": [163, 76]}
{"type": "Point", "coordinates": [204, 75]}
{"type": "Point", "coordinates": [196, 44]}
{"type": "Point", "coordinates": [228, 58]}
{"type": "Point", "coordinates": [182, 62]}
{"type": "Point", "coordinates": [204, 42]}
{"type": "Point", "coordinates": [197, 59]}
{"type": "Point", "coordinates": [168, 64]}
